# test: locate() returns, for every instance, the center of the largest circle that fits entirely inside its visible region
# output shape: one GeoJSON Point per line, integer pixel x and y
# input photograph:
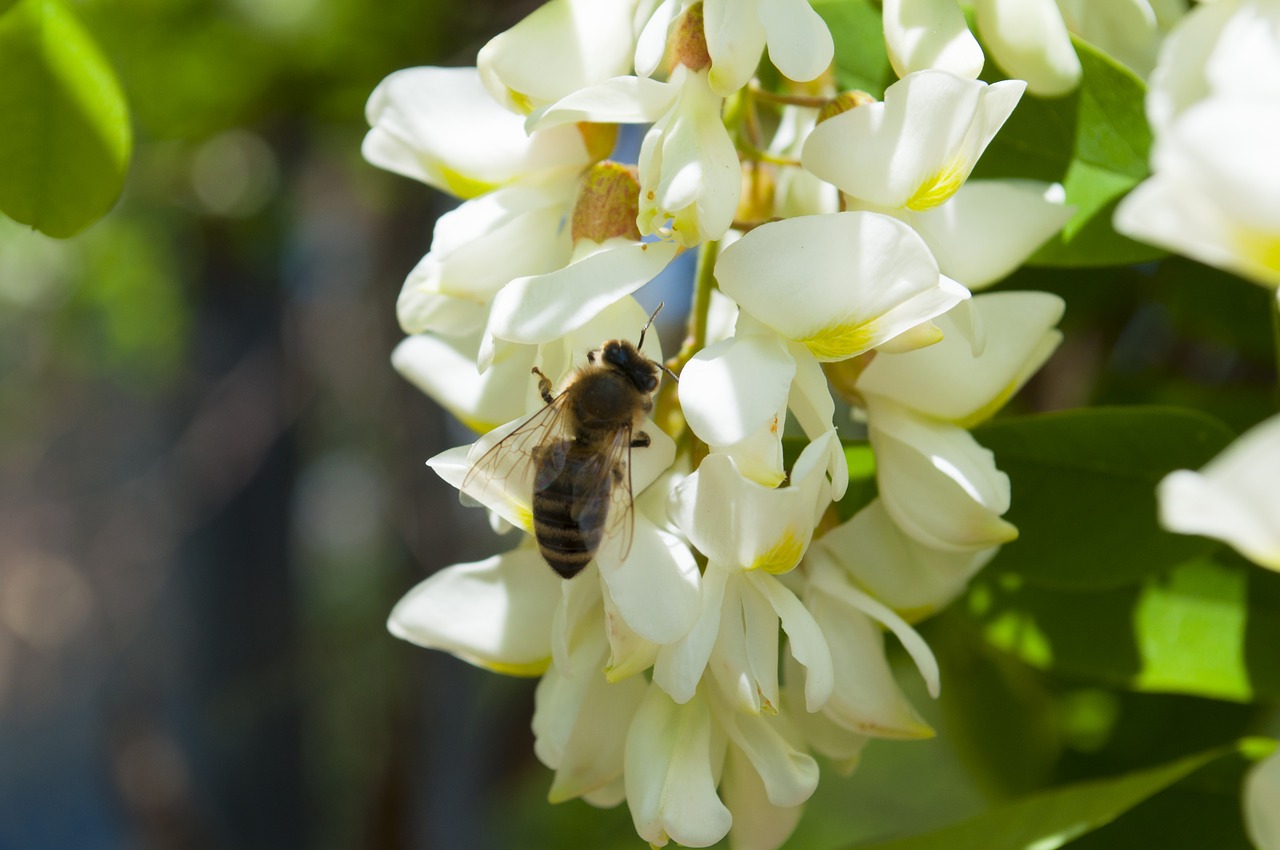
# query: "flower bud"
{"type": "Point", "coordinates": [607, 204]}
{"type": "Point", "coordinates": [688, 41]}
{"type": "Point", "coordinates": [843, 102]}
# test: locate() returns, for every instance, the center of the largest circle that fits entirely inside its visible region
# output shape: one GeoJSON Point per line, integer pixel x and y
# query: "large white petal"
{"type": "Point", "coordinates": [730, 389]}
{"type": "Point", "coordinates": [913, 579]}
{"type": "Point", "coordinates": [1029, 41]}
{"type": "Point", "coordinates": [937, 483]}
{"type": "Point", "coordinates": [563, 46]}
{"type": "Point", "coordinates": [680, 665]}
{"type": "Point", "coordinates": [805, 638]}
{"type": "Point", "coordinates": [445, 369]}
{"type": "Point", "coordinates": [494, 613]}
{"type": "Point", "coordinates": [622, 100]}
{"type": "Point", "coordinates": [757, 823]}
{"type": "Point", "coordinates": [866, 699]}
{"type": "Point", "coordinates": [657, 588]}
{"type": "Point", "coordinates": [922, 34]}
{"type": "Point", "coordinates": [916, 148]}
{"type": "Point", "coordinates": [1126, 30]}
{"type": "Point", "coordinates": [1234, 498]}
{"type": "Point", "coordinates": [853, 280]}
{"type": "Point", "coordinates": [947, 382]}
{"type": "Point", "coordinates": [671, 763]}
{"type": "Point", "coordinates": [735, 40]}
{"type": "Point", "coordinates": [439, 126]}
{"type": "Point", "coordinates": [990, 227]}
{"type": "Point", "coordinates": [800, 45]}
{"type": "Point", "coordinates": [789, 775]}
{"type": "Point", "coordinates": [543, 307]}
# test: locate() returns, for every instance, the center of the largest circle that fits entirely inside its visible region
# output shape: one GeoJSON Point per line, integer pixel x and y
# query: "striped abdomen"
{"type": "Point", "coordinates": [570, 503]}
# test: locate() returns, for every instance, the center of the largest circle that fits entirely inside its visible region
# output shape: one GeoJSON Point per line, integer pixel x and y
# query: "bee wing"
{"type": "Point", "coordinates": [616, 472]}
{"type": "Point", "coordinates": [502, 465]}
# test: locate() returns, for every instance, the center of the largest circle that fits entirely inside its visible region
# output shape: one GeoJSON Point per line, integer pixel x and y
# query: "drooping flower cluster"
{"type": "Point", "coordinates": [736, 629]}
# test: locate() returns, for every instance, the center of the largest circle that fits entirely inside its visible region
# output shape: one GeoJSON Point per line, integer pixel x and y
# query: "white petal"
{"type": "Point", "coordinates": [990, 227]}
{"type": "Point", "coordinates": [1261, 813]}
{"type": "Point", "coordinates": [622, 100]}
{"type": "Point", "coordinates": [947, 382]}
{"type": "Point", "coordinates": [1126, 30]}
{"type": "Point", "coordinates": [916, 148]}
{"type": "Point", "coordinates": [563, 46]}
{"type": "Point", "coordinates": [680, 665]}
{"type": "Point", "coordinates": [657, 588]}
{"type": "Point", "coordinates": [836, 584]}
{"type": "Point", "coordinates": [593, 755]}
{"type": "Point", "coordinates": [731, 389]}
{"type": "Point", "coordinates": [445, 369]}
{"type": "Point", "coordinates": [541, 308]}
{"type": "Point", "coordinates": [652, 43]}
{"type": "Point", "coordinates": [800, 45]}
{"type": "Point", "coordinates": [494, 613]}
{"type": "Point", "coordinates": [1029, 41]}
{"type": "Point", "coordinates": [731, 660]}
{"type": "Point", "coordinates": [805, 638]}
{"type": "Point", "coordinates": [562, 694]}
{"type": "Point", "coordinates": [913, 579]}
{"type": "Point", "coordinates": [438, 125]}
{"type": "Point", "coordinates": [757, 823]}
{"type": "Point", "coordinates": [937, 483]}
{"type": "Point", "coordinates": [671, 788]}
{"type": "Point", "coordinates": [628, 652]}
{"type": "Point", "coordinates": [1233, 498]}
{"type": "Point", "coordinates": [735, 40]}
{"type": "Point", "coordinates": [841, 746]}
{"type": "Point", "coordinates": [760, 622]}
{"type": "Point", "coordinates": [921, 34]}
{"type": "Point", "coordinates": [759, 457]}
{"type": "Point", "coordinates": [866, 699]}
{"type": "Point", "coordinates": [788, 774]}
{"type": "Point", "coordinates": [853, 280]}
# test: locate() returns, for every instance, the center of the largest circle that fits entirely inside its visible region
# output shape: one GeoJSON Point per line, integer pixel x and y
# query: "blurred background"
{"type": "Point", "coordinates": [212, 487]}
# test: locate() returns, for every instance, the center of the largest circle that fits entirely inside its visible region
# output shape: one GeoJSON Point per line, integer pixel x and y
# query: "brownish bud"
{"type": "Point", "coordinates": [843, 102]}
{"type": "Point", "coordinates": [689, 41]}
{"type": "Point", "coordinates": [607, 204]}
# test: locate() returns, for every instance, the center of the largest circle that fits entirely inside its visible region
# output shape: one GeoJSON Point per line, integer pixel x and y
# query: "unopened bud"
{"type": "Point", "coordinates": [607, 204]}
{"type": "Point", "coordinates": [689, 41]}
{"type": "Point", "coordinates": [759, 185]}
{"type": "Point", "coordinates": [843, 102]}
{"type": "Point", "coordinates": [843, 375]}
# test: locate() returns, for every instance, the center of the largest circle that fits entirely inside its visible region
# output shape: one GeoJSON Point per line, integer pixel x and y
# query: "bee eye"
{"type": "Point", "coordinates": [591, 357]}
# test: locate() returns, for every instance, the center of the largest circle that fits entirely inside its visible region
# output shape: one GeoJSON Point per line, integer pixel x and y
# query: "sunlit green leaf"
{"type": "Point", "coordinates": [861, 61]}
{"type": "Point", "coordinates": [1203, 629]}
{"type": "Point", "coordinates": [66, 141]}
{"type": "Point", "coordinates": [1056, 818]}
{"type": "Point", "coordinates": [1094, 141]}
{"type": "Point", "coordinates": [1084, 491]}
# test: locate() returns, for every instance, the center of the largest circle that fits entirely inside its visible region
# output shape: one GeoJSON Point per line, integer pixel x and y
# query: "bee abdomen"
{"type": "Point", "coordinates": [566, 543]}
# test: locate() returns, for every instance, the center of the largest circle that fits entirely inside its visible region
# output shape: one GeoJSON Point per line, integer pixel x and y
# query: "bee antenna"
{"type": "Point", "coordinates": [664, 367]}
{"type": "Point", "coordinates": [648, 323]}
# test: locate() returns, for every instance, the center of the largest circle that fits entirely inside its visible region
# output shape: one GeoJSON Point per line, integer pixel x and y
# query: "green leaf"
{"type": "Point", "coordinates": [66, 141]}
{"type": "Point", "coordinates": [1206, 628]}
{"type": "Point", "coordinates": [861, 61]}
{"type": "Point", "coordinates": [1094, 141]}
{"type": "Point", "coordinates": [1084, 498]}
{"type": "Point", "coordinates": [1057, 818]}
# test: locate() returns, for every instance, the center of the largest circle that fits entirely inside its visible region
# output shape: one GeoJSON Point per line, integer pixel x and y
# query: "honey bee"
{"type": "Point", "coordinates": [580, 447]}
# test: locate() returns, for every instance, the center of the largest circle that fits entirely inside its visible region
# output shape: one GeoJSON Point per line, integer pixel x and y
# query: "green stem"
{"type": "Point", "coordinates": [704, 280]}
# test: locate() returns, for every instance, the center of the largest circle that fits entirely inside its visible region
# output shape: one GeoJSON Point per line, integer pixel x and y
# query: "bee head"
{"type": "Point", "coordinates": [624, 357]}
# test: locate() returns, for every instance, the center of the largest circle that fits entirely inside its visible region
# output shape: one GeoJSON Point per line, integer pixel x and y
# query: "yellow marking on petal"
{"type": "Point", "coordinates": [1261, 248]}
{"type": "Point", "coordinates": [462, 186]}
{"type": "Point", "coordinates": [520, 101]}
{"type": "Point", "coordinates": [782, 556]}
{"type": "Point", "coordinates": [938, 188]}
{"type": "Point", "coordinates": [840, 341]}
{"type": "Point", "coordinates": [525, 515]}
{"type": "Point", "coordinates": [916, 614]}
{"type": "Point", "coordinates": [480, 426]}
{"type": "Point", "coordinates": [530, 670]}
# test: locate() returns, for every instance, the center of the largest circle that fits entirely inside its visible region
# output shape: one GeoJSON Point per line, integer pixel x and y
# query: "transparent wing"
{"type": "Point", "coordinates": [502, 462]}
{"type": "Point", "coordinates": [614, 472]}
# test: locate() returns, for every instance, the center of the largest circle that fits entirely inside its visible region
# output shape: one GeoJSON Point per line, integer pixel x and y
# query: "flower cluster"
{"type": "Point", "coordinates": [736, 627]}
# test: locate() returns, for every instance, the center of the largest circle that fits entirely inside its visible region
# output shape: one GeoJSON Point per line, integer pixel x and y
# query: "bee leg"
{"type": "Point", "coordinates": [640, 440]}
{"type": "Point", "coordinates": [544, 385]}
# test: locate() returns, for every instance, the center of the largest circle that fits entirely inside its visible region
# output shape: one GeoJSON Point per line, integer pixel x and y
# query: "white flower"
{"type": "Point", "coordinates": [563, 46]}
{"type": "Point", "coordinates": [1029, 41]}
{"type": "Point", "coordinates": [915, 148]}
{"type": "Point", "coordinates": [800, 45]}
{"type": "Point", "coordinates": [935, 481]}
{"type": "Point", "coordinates": [1233, 498]}
{"type": "Point", "coordinates": [438, 125]}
